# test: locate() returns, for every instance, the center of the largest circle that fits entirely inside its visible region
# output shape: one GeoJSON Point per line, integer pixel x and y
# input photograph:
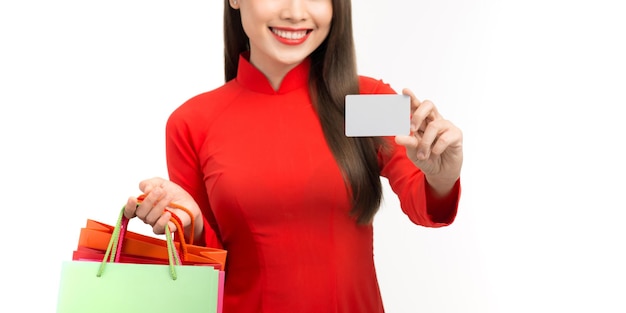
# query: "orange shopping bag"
{"type": "Point", "coordinates": [138, 248]}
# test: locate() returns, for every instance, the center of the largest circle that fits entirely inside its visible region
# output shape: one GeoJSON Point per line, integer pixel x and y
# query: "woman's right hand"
{"type": "Point", "coordinates": [159, 193]}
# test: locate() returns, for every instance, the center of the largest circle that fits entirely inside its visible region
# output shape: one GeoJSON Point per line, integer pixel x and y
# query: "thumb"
{"type": "Point", "coordinates": [149, 184]}
{"type": "Point", "coordinates": [409, 142]}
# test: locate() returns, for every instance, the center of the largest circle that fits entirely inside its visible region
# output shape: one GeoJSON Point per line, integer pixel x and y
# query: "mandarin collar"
{"type": "Point", "coordinates": [252, 78]}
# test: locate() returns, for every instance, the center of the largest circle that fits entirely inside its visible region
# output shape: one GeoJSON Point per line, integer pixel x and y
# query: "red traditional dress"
{"type": "Point", "coordinates": [256, 161]}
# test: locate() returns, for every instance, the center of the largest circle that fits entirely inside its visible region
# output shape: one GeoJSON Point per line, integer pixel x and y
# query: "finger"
{"type": "Point", "coordinates": [184, 218]}
{"type": "Point", "coordinates": [159, 226]}
{"type": "Point", "coordinates": [424, 114]}
{"type": "Point", "coordinates": [428, 139]}
{"type": "Point", "coordinates": [163, 200]}
{"type": "Point", "coordinates": [146, 186]}
{"type": "Point", "coordinates": [415, 103]}
{"type": "Point", "coordinates": [448, 137]}
{"type": "Point", "coordinates": [148, 203]}
{"type": "Point", "coordinates": [130, 208]}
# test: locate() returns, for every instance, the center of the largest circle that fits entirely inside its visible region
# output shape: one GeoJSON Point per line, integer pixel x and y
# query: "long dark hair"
{"type": "Point", "coordinates": [333, 75]}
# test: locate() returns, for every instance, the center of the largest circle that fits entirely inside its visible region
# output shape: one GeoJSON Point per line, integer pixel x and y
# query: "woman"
{"type": "Point", "coordinates": [265, 167]}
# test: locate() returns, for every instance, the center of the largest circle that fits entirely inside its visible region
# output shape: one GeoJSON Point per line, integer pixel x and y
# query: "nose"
{"type": "Point", "coordinates": [294, 10]}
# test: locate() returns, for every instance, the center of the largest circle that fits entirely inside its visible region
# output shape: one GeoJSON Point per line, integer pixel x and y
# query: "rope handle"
{"type": "Point", "coordinates": [181, 234]}
{"type": "Point", "coordinates": [174, 219]}
{"type": "Point", "coordinates": [184, 209]}
{"type": "Point", "coordinates": [111, 254]}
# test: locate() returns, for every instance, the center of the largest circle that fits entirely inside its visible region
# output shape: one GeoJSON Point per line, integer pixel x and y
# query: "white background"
{"type": "Point", "coordinates": [536, 86]}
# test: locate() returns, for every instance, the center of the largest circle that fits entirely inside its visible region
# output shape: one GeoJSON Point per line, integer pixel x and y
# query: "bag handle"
{"type": "Point", "coordinates": [182, 208]}
{"type": "Point", "coordinates": [112, 249]}
{"type": "Point", "coordinates": [175, 220]}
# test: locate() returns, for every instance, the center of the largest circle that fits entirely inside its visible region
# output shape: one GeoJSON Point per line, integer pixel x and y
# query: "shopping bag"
{"type": "Point", "coordinates": [106, 286]}
{"type": "Point", "coordinates": [95, 236]}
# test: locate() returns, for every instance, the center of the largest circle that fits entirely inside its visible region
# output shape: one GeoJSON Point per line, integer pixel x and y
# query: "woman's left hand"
{"type": "Point", "coordinates": [435, 145]}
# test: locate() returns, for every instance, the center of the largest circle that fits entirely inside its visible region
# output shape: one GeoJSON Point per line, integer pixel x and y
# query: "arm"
{"type": "Point", "coordinates": [435, 147]}
{"type": "Point", "coordinates": [184, 169]}
{"type": "Point", "coordinates": [428, 188]}
{"type": "Point", "coordinates": [185, 186]}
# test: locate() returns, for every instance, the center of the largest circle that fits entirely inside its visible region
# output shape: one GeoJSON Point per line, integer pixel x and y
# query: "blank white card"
{"type": "Point", "coordinates": [377, 115]}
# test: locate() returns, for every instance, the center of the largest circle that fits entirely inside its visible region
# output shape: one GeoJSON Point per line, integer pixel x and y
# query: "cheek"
{"type": "Point", "coordinates": [323, 13]}
{"type": "Point", "coordinates": [252, 20]}
{"type": "Point", "coordinates": [249, 27]}
{"type": "Point", "coordinates": [323, 26]}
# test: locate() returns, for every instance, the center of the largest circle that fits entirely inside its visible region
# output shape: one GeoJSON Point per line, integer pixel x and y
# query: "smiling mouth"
{"type": "Point", "coordinates": [290, 34]}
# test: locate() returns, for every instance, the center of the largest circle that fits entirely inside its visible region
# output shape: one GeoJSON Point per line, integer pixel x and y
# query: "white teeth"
{"type": "Point", "coordinates": [291, 35]}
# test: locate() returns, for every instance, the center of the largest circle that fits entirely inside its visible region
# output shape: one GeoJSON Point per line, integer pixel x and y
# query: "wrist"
{"type": "Point", "coordinates": [441, 186]}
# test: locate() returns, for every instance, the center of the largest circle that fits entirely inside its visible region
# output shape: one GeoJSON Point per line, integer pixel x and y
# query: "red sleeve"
{"type": "Point", "coordinates": [416, 199]}
{"type": "Point", "coordinates": [443, 210]}
{"type": "Point", "coordinates": [408, 182]}
{"type": "Point", "coordinates": [184, 169]}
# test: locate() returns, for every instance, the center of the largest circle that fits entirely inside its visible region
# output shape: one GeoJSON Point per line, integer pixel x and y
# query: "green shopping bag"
{"type": "Point", "coordinates": [124, 287]}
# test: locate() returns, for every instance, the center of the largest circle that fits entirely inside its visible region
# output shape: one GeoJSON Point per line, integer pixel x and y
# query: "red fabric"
{"type": "Point", "coordinates": [257, 163]}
